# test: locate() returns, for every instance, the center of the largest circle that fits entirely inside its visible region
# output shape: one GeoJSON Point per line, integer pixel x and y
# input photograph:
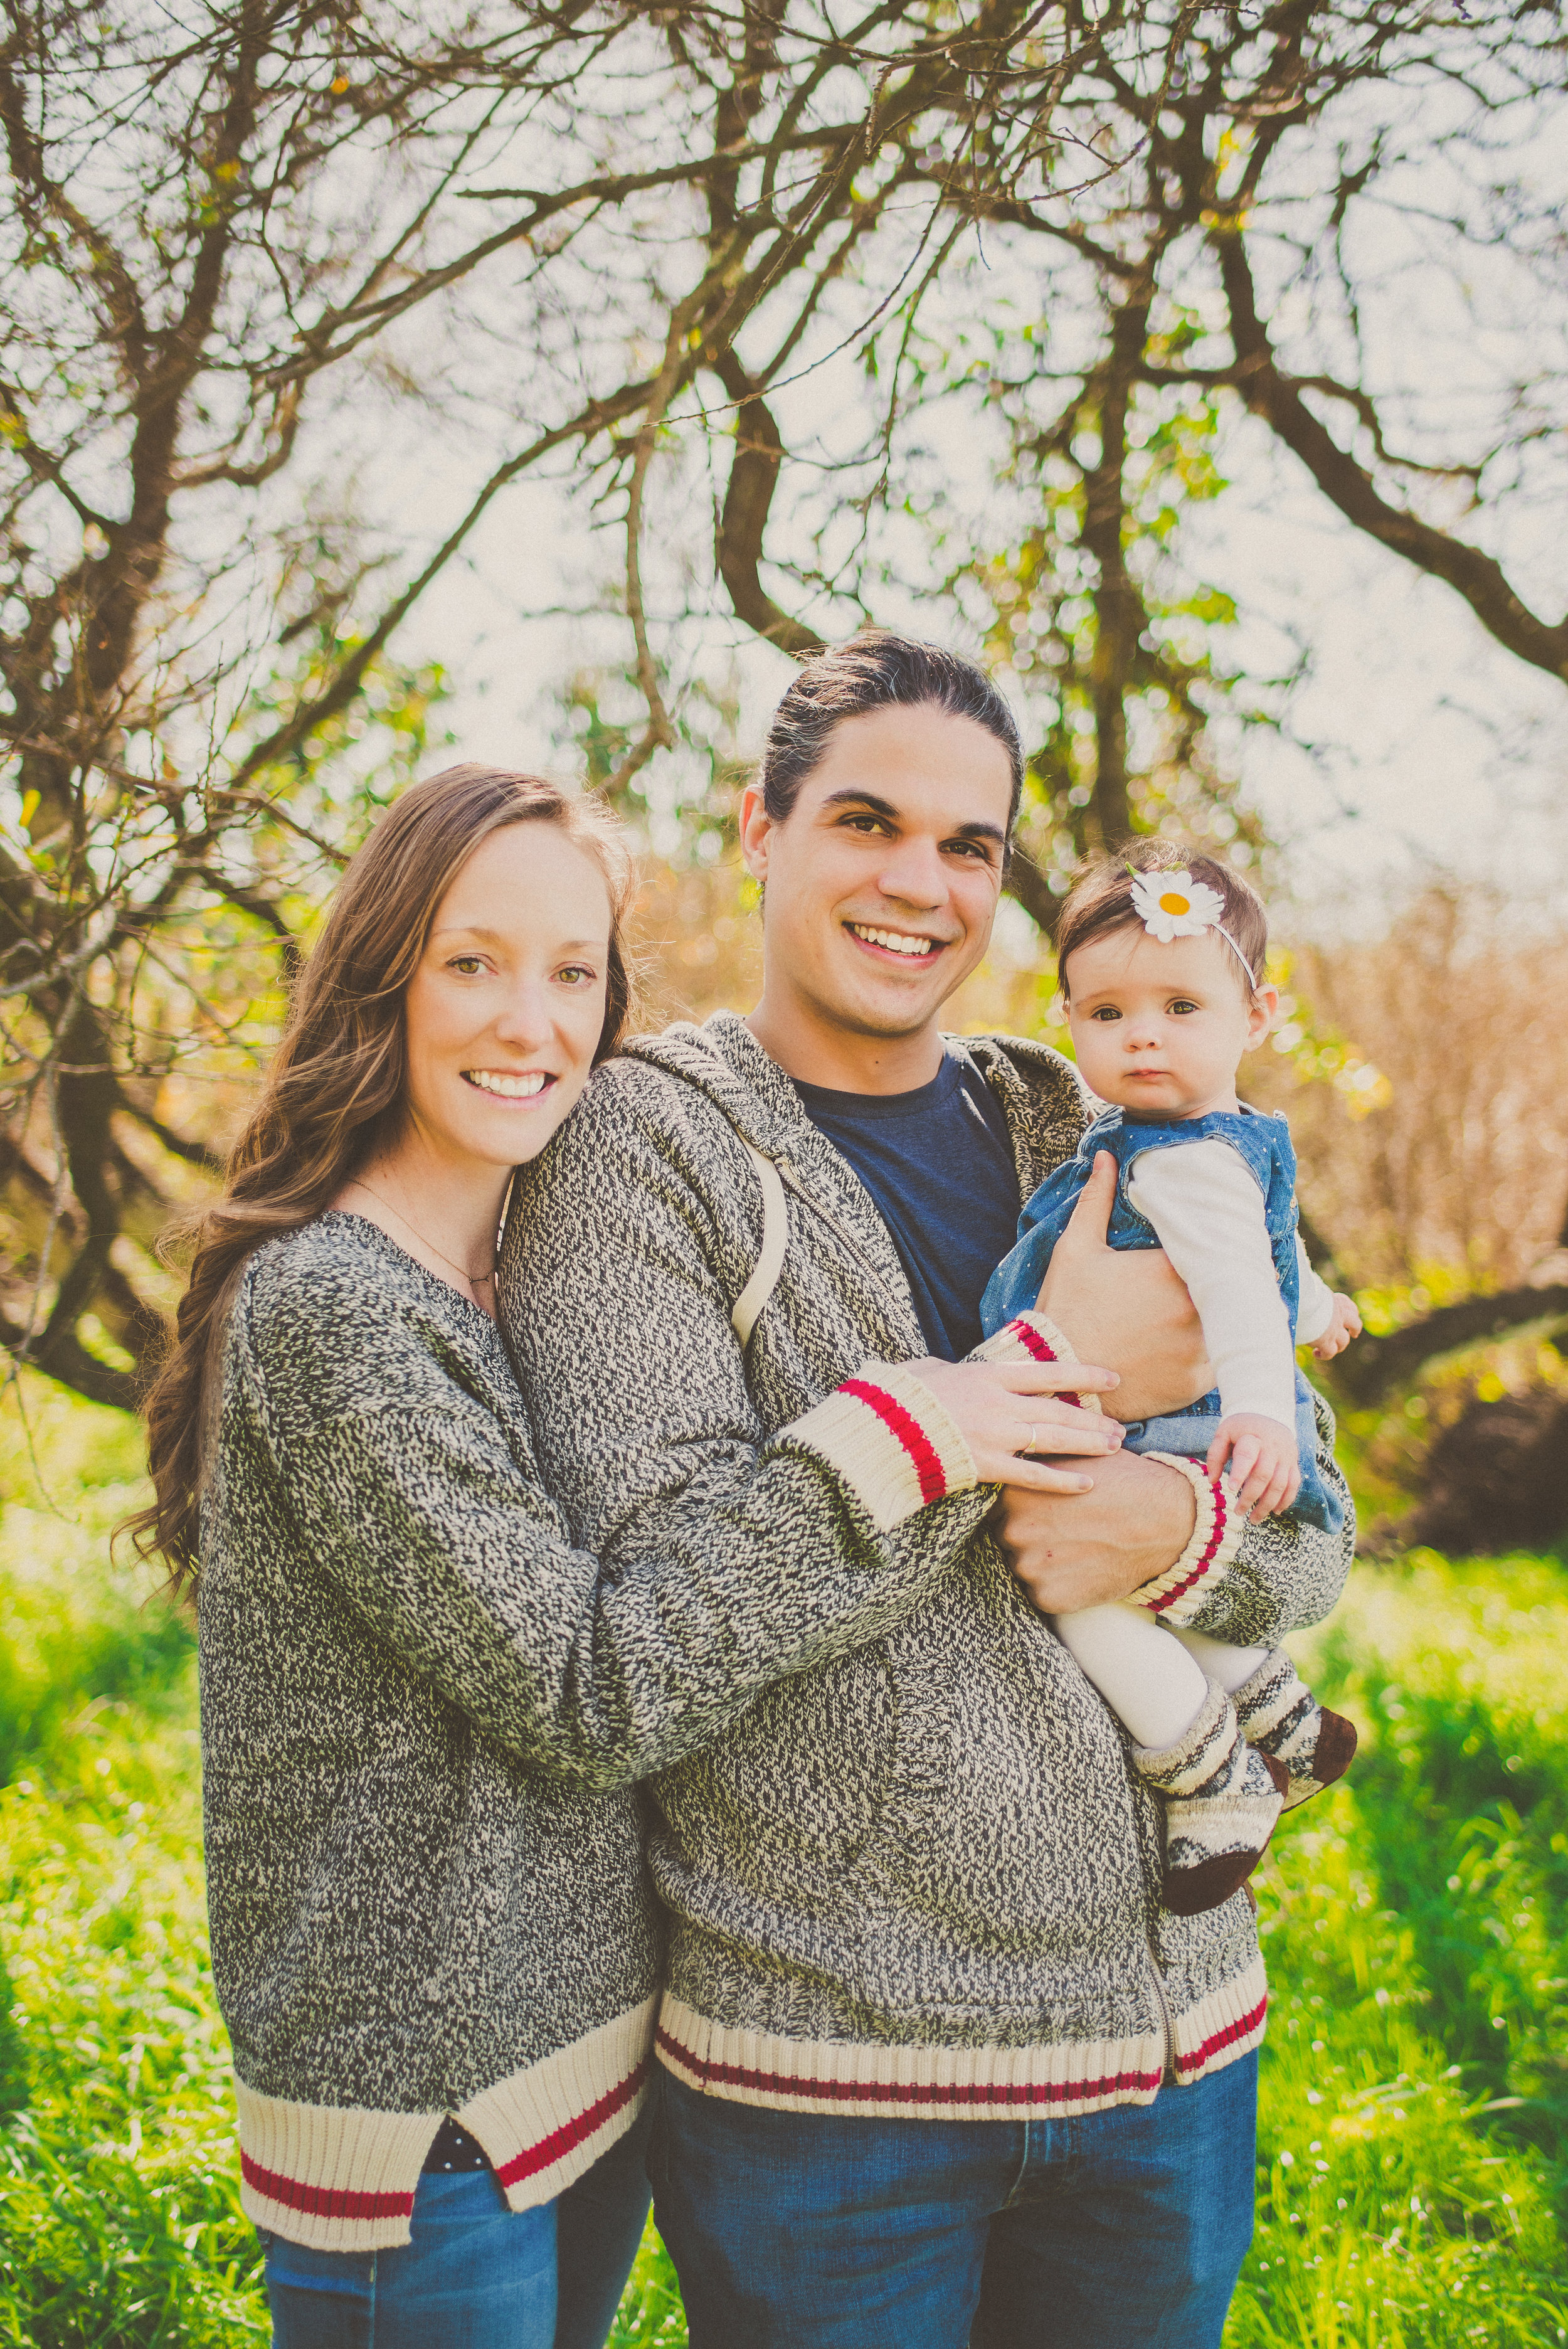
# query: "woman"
{"type": "Point", "coordinates": [423, 1709]}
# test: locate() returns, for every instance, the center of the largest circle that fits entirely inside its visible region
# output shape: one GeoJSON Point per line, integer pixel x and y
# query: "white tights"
{"type": "Point", "coordinates": [1155, 1680]}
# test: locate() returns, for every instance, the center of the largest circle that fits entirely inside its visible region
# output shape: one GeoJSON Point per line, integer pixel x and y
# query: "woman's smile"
{"type": "Point", "coordinates": [505, 1084]}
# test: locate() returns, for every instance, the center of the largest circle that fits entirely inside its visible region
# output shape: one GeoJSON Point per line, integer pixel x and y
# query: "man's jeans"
{"type": "Point", "coordinates": [1121, 2230]}
{"type": "Point", "coordinates": [476, 2275]}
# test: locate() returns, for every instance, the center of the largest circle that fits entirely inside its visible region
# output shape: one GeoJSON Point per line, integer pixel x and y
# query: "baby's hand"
{"type": "Point", "coordinates": [1346, 1325]}
{"type": "Point", "coordinates": [1264, 1467]}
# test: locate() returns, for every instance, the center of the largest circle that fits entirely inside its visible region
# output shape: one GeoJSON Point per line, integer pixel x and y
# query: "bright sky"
{"type": "Point", "coordinates": [1417, 739]}
{"type": "Point", "coordinates": [1412, 738]}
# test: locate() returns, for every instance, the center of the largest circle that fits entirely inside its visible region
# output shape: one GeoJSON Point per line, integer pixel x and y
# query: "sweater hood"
{"type": "Point", "coordinates": [723, 1060]}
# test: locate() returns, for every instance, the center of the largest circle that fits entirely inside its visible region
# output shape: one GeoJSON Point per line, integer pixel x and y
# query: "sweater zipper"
{"type": "Point", "coordinates": [793, 1180]}
{"type": "Point", "coordinates": [1168, 2028]}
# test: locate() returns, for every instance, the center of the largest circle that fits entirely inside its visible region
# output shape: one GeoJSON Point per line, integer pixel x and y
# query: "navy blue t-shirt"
{"type": "Point", "coordinates": [940, 1167]}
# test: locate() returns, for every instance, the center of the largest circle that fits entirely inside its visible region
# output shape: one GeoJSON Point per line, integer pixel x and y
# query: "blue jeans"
{"type": "Point", "coordinates": [1121, 2230]}
{"type": "Point", "coordinates": [476, 2275]}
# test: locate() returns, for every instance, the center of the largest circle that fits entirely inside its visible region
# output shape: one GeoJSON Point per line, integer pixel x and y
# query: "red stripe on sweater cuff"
{"type": "Point", "coordinates": [888, 2092]}
{"type": "Point", "coordinates": [561, 2141]}
{"type": "Point", "coordinates": [1226, 2037]}
{"type": "Point", "coordinates": [1033, 1343]}
{"type": "Point", "coordinates": [1216, 1535]}
{"type": "Point", "coordinates": [322, 2201]}
{"type": "Point", "coordinates": [907, 1429]}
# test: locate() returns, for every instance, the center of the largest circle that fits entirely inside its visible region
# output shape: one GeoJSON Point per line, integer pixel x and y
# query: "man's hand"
{"type": "Point", "coordinates": [1345, 1325]}
{"type": "Point", "coordinates": [1079, 1551]}
{"type": "Point", "coordinates": [1125, 1307]}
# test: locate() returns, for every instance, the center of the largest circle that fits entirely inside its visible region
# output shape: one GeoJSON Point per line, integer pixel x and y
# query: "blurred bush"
{"type": "Point", "coordinates": [1461, 1166]}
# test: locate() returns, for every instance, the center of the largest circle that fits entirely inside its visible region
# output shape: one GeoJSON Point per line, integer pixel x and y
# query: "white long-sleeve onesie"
{"type": "Point", "coordinates": [1207, 1208]}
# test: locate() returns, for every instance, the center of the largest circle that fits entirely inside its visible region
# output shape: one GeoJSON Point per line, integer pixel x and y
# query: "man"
{"type": "Point", "coordinates": [937, 2065]}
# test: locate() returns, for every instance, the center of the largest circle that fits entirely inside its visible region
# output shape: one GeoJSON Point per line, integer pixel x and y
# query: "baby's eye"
{"type": "Point", "coordinates": [1105, 1011]}
{"type": "Point", "coordinates": [1182, 1004]}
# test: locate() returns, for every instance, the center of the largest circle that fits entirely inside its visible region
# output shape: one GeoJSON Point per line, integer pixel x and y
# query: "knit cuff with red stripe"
{"type": "Point", "coordinates": [1176, 1595]}
{"type": "Point", "coordinates": [886, 1436]}
{"type": "Point", "coordinates": [1030, 1338]}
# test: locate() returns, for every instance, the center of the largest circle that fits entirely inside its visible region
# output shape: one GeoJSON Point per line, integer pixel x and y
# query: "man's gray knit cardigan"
{"type": "Point", "coordinates": [422, 1710]}
{"type": "Point", "coordinates": [920, 1878]}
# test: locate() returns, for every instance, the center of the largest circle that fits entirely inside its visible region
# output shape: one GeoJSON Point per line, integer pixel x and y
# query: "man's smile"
{"type": "Point", "coordinates": [908, 946]}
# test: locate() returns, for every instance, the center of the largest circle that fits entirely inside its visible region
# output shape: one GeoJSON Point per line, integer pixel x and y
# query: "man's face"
{"type": "Point", "coordinates": [882, 881]}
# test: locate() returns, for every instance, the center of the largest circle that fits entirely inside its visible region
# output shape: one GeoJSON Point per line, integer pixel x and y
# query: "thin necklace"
{"type": "Point", "coordinates": [473, 1279]}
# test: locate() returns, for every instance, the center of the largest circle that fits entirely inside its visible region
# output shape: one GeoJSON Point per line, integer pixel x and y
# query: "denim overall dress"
{"type": "Point", "coordinates": [1265, 1144]}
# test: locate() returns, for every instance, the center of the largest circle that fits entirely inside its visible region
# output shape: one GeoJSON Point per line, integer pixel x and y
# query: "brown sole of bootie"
{"type": "Point", "coordinates": [1337, 1744]}
{"type": "Point", "coordinates": [1189, 1891]}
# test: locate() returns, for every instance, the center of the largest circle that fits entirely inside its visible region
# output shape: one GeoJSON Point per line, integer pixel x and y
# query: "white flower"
{"type": "Point", "coordinates": [1174, 905]}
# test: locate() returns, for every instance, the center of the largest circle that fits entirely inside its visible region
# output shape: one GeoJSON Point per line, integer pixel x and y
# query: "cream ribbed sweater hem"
{"type": "Point", "coordinates": [891, 2081]}
{"type": "Point", "coordinates": [1227, 2024]}
{"type": "Point", "coordinates": [342, 2177]}
{"type": "Point", "coordinates": [887, 2081]}
{"type": "Point", "coordinates": [884, 1433]}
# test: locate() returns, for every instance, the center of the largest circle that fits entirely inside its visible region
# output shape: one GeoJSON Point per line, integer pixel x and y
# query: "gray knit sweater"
{"type": "Point", "coordinates": [921, 1877]}
{"type": "Point", "coordinates": [422, 1710]}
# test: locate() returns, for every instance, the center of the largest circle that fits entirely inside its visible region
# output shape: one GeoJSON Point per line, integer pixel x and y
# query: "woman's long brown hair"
{"type": "Point", "coordinates": [333, 1095]}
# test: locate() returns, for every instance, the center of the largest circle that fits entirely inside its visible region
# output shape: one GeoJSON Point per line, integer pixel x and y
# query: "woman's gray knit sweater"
{"type": "Point", "coordinates": [422, 1711]}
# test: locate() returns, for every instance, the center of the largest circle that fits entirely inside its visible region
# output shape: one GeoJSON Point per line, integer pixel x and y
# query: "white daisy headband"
{"type": "Point", "coordinates": [1174, 905]}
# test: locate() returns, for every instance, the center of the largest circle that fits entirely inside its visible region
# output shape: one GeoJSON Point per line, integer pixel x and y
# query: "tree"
{"type": "Point", "coordinates": [237, 232]}
{"type": "Point", "coordinates": [264, 253]}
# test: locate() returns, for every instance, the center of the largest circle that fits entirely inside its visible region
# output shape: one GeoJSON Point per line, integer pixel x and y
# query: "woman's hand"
{"type": "Point", "coordinates": [1007, 1412]}
{"type": "Point", "coordinates": [1127, 1305]}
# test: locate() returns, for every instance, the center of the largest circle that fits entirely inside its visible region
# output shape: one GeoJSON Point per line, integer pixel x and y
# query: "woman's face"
{"type": "Point", "coordinates": [504, 1012]}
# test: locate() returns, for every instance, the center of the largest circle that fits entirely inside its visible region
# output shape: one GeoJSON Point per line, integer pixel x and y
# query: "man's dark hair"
{"type": "Point", "coordinates": [876, 670]}
{"type": "Point", "coordinates": [1100, 901]}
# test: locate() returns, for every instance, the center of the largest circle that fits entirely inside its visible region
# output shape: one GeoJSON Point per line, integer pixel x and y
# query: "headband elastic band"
{"type": "Point", "coordinates": [1173, 905]}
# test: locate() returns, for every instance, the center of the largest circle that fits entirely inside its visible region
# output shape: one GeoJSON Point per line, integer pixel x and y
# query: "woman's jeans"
{"type": "Point", "coordinates": [1118, 2230]}
{"type": "Point", "coordinates": [475, 2274]}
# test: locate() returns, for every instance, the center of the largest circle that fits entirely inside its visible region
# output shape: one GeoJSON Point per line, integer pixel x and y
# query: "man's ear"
{"type": "Point", "coordinates": [756, 830]}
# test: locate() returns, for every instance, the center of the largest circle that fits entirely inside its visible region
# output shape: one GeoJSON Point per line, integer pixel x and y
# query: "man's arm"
{"type": "Point", "coordinates": [1138, 1533]}
{"type": "Point", "coordinates": [616, 1281]}
{"type": "Point", "coordinates": [1170, 1538]}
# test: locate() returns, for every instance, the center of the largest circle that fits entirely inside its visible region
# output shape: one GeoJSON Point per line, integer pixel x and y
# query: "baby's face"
{"type": "Point", "coordinates": [1161, 1029]}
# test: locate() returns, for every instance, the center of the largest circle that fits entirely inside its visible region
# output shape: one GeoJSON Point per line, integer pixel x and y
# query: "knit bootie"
{"type": "Point", "coordinates": [1281, 1717]}
{"type": "Point", "coordinates": [1221, 1799]}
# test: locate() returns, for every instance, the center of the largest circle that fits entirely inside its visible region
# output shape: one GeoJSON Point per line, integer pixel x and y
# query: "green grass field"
{"type": "Point", "coordinates": [1413, 2178]}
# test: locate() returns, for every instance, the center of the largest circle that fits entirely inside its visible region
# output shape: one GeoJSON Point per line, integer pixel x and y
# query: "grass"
{"type": "Point", "coordinates": [1414, 2129]}
{"type": "Point", "coordinates": [1413, 2173]}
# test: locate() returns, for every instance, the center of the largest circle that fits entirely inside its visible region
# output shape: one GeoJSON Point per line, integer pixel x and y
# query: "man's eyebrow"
{"type": "Point", "coordinates": [978, 830]}
{"type": "Point", "coordinates": [850, 797]}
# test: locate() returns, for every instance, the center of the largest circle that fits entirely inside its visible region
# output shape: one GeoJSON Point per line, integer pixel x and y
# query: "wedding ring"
{"type": "Point", "coordinates": [1034, 1439]}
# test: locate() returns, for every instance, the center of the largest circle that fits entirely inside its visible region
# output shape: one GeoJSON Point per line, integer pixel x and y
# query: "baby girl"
{"type": "Point", "coordinates": [1161, 965]}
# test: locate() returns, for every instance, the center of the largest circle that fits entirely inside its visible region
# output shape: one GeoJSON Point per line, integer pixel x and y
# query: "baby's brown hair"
{"type": "Point", "coordinates": [1101, 901]}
